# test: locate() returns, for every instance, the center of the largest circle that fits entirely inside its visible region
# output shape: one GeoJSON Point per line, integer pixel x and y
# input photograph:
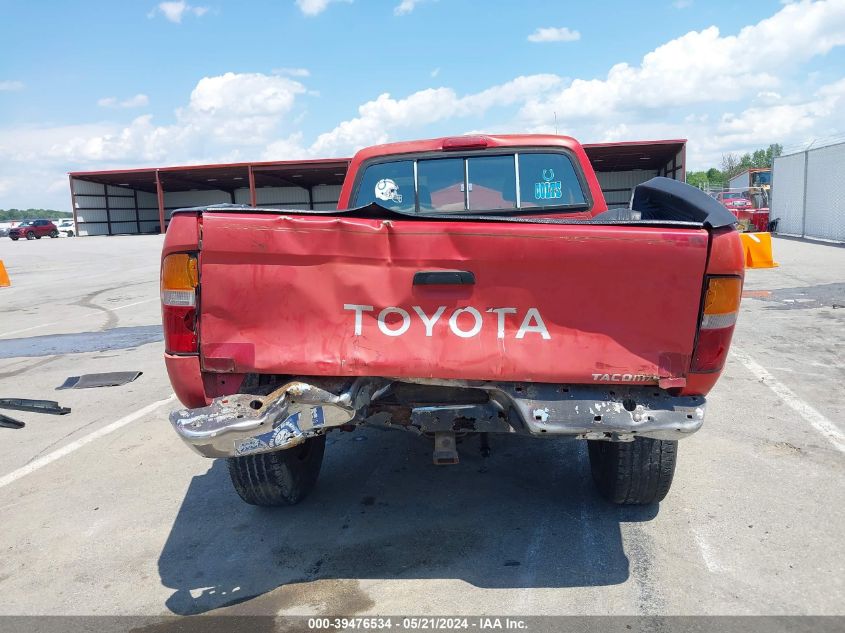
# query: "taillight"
{"type": "Point", "coordinates": [718, 317]}
{"type": "Point", "coordinates": [179, 281]}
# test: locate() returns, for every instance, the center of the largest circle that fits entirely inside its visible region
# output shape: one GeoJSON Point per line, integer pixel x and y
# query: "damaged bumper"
{"type": "Point", "coordinates": [244, 424]}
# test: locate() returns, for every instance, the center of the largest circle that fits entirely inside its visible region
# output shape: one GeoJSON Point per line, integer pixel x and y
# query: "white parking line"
{"type": "Point", "coordinates": [811, 415]}
{"type": "Point", "coordinates": [713, 566]}
{"type": "Point", "coordinates": [27, 329]}
{"type": "Point", "coordinates": [129, 305]}
{"type": "Point", "coordinates": [115, 309]}
{"type": "Point", "coordinates": [49, 458]}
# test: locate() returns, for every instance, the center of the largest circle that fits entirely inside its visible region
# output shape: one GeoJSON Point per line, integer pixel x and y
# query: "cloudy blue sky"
{"type": "Point", "coordinates": [96, 85]}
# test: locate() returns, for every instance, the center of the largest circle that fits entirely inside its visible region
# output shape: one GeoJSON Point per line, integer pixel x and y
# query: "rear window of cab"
{"type": "Point", "coordinates": [488, 182]}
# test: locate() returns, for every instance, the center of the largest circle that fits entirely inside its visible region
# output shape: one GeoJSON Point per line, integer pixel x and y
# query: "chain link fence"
{"type": "Point", "coordinates": [808, 190]}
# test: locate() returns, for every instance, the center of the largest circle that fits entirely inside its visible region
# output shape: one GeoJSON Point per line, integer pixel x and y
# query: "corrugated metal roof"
{"type": "Point", "coordinates": [605, 157]}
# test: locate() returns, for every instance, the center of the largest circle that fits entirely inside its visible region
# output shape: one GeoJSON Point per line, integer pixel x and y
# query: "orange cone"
{"type": "Point", "coordinates": [758, 250]}
{"type": "Point", "coordinates": [4, 276]}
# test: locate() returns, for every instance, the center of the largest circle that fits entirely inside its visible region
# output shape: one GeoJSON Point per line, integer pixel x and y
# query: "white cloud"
{"type": "Point", "coordinates": [434, 72]}
{"type": "Point", "coordinates": [784, 120]}
{"type": "Point", "coordinates": [288, 148]}
{"type": "Point", "coordinates": [554, 34]}
{"type": "Point", "coordinates": [315, 7]}
{"type": "Point", "coordinates": [378, 119]}
{"type": "Point", "coordinates": [702, 86]}
{"type": "Point", "coordinates": [138, 101]}
{"type": "Point", "coordinates": [10, 86]}
{"type": "Point", "coordinates": [292, 72]}
{"type": "Point", "coordinates": [224, 115]}
{"type": "Point", "coordinates": [702, 66]}
{"type": "Point", "coordinates": [406, 6]}
{"type": "Point", "coordinates": [682, 4]}
{"type": "Point", "coordinates": [174, 11]}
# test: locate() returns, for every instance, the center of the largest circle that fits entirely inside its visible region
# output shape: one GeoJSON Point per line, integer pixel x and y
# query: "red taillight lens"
{"type": "Point", "coordinates": [721, 306]}
{"type": "Point", "coordinates": [179, 281]}
{"type": "Point", "coordinates": [712, 349]}
{"type": "Point", "coordinates": [180, 335]}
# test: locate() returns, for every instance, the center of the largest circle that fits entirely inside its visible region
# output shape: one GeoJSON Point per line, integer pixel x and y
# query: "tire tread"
{"type": "Point", "coordinates": [280, 478]}
{"type": "Point", "coordinates": [633, 473]}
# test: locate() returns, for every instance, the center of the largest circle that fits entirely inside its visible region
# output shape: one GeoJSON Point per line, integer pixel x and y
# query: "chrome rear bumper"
{"type": "Point", "coordinates": [244, 424]}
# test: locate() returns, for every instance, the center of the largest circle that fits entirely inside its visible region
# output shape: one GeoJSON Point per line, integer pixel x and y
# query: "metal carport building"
{"type": "Point", "coordinates": [138, 201]}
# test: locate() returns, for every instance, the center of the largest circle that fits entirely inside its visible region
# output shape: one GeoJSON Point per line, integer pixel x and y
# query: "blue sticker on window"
{"type": "Point", "coordinates": [548, 189]}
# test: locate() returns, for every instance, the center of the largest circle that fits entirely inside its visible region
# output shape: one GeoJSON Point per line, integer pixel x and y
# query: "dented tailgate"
{"type": "Point", "coordinates": [314, 295]}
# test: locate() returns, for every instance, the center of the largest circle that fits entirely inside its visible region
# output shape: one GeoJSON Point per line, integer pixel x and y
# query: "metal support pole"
{"type": "Point", "coordinates": [252, 196]}
{"type": "Point", "coordinates": [108, 210]}
{"type": "Point", "coordinates": [73, 205]}
{"type": "Point", "coordinates": [804, 201]}
{"type": "Point", "coordinates": [160, 195]}
{"type": "Point", "coordinates": [137, 212]}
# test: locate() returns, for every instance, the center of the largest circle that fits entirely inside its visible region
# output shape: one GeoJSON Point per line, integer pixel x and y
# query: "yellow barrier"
{"type": "Point", "coordinates": [4, 276]}
{"type": "Point", "coordinates": [758, 250]}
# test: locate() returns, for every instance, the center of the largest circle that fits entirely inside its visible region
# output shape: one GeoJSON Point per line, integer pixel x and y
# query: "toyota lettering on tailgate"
{"type": "Point", "coordinates": [463, 322]}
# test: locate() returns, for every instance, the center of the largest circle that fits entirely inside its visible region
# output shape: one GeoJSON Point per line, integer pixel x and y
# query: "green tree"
{"type": "Point", "coordinates": [772, 152]}
{"type": "Point", "coordinates": [715, 177]}
{"type": "Point", "coordinates": [697, 179]}
{"type": "Point", "coordinates": [730, 165]}
{"type": "Point", "coordinates": [733, 164]}
{"type": "Point", "coordinates": [14, 215]}
{"type": "Point", "coordinates": [760, 159]}
{"type": "Point", "coordinates": [704, 179]}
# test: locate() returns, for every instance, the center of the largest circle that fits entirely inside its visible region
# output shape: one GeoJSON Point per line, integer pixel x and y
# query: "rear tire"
{"type": "Point", "coordinates": [54, 234]}
{"type": "Point", "coordinates": [633, 473]}
{"type": "Point", "coordinates": [30, 236]}
{"type": "Point", "coordinates": [283, 478]}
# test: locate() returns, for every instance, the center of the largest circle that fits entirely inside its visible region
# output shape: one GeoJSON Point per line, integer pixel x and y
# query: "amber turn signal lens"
{"type": "Point", "coordinates": [723, 295]}
{"type": "Point", "coordinates": [179, 272]}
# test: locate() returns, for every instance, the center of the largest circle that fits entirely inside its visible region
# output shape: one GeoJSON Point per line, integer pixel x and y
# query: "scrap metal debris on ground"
{"type": "Point", "coordinates": [34, 406]}
{"type": "Point", "coordinates": [112, 379]}
{"type": "Point", "coordinates": [10, 423]}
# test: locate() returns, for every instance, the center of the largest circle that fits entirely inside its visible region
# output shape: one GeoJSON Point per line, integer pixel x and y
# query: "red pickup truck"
{"type": "Point", "coordinates": [465, 285]}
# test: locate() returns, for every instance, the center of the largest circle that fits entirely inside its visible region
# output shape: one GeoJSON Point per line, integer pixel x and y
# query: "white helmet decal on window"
{"type": "Point", "coordinates": [386, 189]}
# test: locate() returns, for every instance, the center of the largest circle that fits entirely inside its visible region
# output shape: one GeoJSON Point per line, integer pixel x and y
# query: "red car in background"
{"type": "Point", "coordinates": [34, 230]}
{"type": "Point", "coordinates": [734, 201]}
{"type": "Point", "coordinates": [740, 206]}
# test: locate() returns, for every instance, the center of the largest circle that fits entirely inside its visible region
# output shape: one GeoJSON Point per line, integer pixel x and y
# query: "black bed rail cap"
{"type": "Point", "coordinates": [667, 199]}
